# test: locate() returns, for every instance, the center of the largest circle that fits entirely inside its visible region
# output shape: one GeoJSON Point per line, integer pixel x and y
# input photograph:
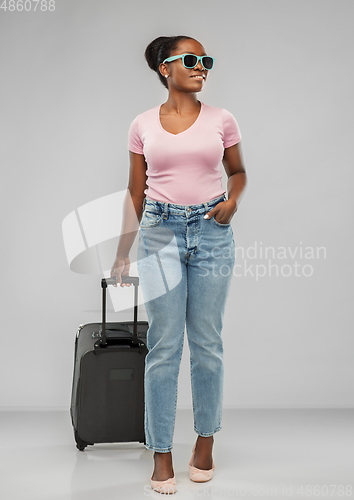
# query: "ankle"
{"type": "Point", "coordinates": [205, 441]}
{"type": "Point", "coordinates": [163, 457]}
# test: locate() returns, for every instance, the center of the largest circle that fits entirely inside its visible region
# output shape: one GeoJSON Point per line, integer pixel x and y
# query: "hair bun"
{"type": "Point", "coordinates": [152, 52]}
{"type": "Point", "coordinates": [159, 49]}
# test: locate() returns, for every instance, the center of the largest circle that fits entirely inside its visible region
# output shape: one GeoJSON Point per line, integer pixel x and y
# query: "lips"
{"type": "Point", "coordinates": [198, 77]}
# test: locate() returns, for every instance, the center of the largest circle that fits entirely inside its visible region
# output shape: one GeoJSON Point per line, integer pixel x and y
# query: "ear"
{"type": "Point", "coordinates": [163, 70]}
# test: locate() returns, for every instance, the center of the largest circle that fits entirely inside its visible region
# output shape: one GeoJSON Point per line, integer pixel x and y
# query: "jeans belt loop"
{"type": "Point", "coordinates": [206, 207]}
{"type": "Point", "coordinates": [144, 203]}
{"type": "Point", "coordinates": [165, 211]}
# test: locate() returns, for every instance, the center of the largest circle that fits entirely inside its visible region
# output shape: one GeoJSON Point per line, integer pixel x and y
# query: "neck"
{"type": "Point", "coordinates": [181, 103]}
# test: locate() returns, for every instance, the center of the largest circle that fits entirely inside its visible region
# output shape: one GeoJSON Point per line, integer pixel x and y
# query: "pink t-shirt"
{"type": "Point", "coordinates": [185, 168]}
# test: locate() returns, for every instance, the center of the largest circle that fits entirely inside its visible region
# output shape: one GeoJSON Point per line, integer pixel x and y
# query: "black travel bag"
{"type": "Point", "coordinates": [107, 400]}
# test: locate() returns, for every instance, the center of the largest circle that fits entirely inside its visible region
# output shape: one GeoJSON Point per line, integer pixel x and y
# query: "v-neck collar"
{"type": "Point", "coordinates": [184, 131]}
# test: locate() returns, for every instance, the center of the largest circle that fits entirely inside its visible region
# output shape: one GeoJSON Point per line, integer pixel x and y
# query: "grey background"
{"type": "Point", "coordinates": [72, 82]}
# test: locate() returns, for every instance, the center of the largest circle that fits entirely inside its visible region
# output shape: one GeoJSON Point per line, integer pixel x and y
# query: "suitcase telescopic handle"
{"type": "Point", "coordinates": [125, 279]}
{"type": "Point", "coordinates": [113, 281]}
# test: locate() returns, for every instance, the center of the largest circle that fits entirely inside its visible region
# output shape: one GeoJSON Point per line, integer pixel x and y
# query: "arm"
{"type": "Point", "coordinates": [237, 179]}
{"type": "Point", "coordinates": [235, 170]}
{"type": "Point", "coordinates": [132, 213]}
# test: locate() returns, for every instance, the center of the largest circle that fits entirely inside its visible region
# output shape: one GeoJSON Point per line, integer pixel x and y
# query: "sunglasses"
{"type": "Point", "coordinates": [190, 61]}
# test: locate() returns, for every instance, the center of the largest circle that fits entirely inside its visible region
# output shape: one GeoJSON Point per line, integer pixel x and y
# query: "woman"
{"type": "Point", "coordinates": [186, 248]}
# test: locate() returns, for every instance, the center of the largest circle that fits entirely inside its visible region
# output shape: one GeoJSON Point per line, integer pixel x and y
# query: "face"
{"type": "Point", "coordinates": [181, 78]}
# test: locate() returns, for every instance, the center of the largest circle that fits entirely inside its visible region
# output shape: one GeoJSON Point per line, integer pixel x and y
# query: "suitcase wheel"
{"type": "Point", "coordinates": [80, 444]}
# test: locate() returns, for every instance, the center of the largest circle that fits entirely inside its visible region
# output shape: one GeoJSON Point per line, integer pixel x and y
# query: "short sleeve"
{"type": "Point", "coordinates": [231, 130]}
{"type": "Point", "coordinates": [134, 141]}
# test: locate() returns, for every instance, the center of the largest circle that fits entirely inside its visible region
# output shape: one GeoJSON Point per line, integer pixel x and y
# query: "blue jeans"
{"type": "Point", "coordinates": [185, 265]}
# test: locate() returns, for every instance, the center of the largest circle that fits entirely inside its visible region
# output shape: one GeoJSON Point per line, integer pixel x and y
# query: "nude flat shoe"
{"type": "Point", "coordinates": [200, 475]}
{"type": "Point", "coordinates": [168, 486]}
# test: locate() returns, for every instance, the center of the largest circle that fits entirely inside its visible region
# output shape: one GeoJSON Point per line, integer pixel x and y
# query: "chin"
{"type": "Point", "coordinates": [198, 86]}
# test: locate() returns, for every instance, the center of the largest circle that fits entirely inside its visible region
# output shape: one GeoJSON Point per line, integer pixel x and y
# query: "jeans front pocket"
{"type": "Point", "coordinates": [219, 224]}
{"type": "Point", "coordinates": [150, 218]}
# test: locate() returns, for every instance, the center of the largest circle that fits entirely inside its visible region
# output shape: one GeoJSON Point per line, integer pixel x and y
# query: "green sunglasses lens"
{"type": "Point", "coordinates": [207, 62]}
{"type": "Point", "coordinates": [190, 61]}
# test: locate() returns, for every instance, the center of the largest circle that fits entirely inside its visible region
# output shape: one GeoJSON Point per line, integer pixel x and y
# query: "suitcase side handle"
{"type": "Point", "coordinates": [113, 281]}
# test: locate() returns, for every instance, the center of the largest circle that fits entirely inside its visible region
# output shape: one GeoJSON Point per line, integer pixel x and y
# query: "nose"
{"type": "Point", "coordinates": [199, 66]}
